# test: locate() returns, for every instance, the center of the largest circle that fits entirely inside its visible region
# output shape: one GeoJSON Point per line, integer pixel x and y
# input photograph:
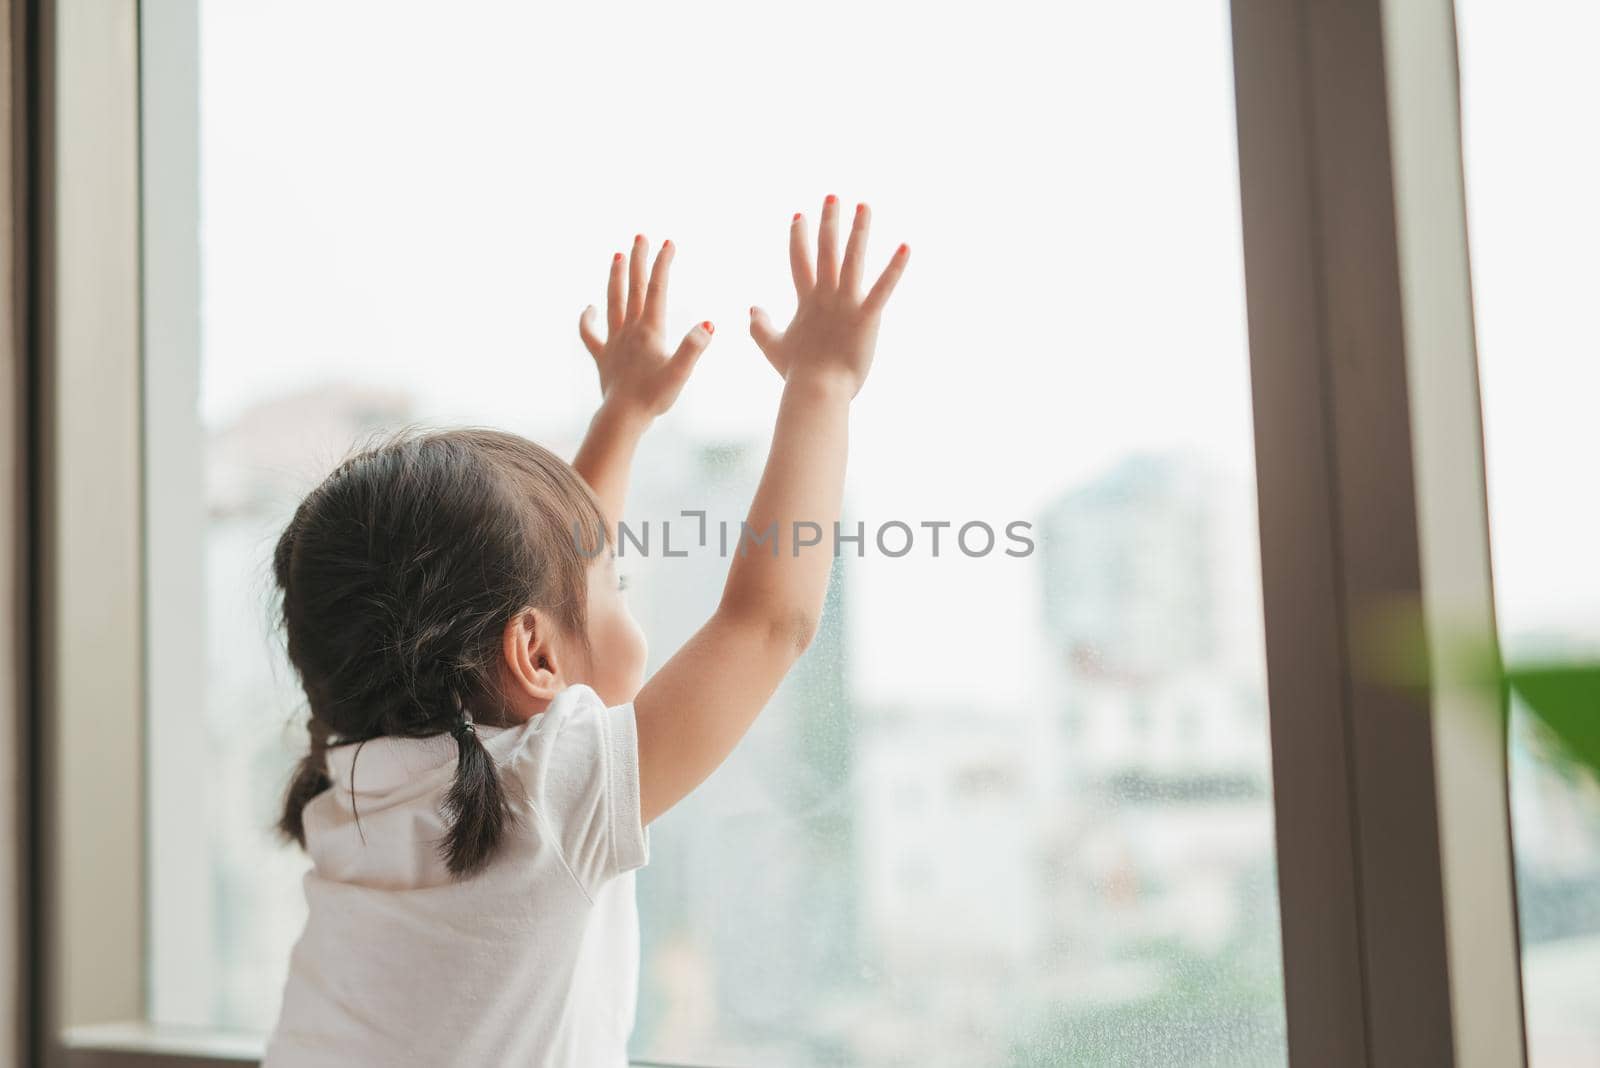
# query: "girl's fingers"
{"type": "Point", "coordinates": [766, 337]}
{"type": "Point", "coordinates": [591, 340]}
{"type": "Point", "coordinates": [855, 250]}
{"type": "Point", "coordinates": [828, 243]}
{"type": "Point", "coordinates": [683, 361]}
{"type": "Point", "coordinates": [886, 281]}
{"type": "Point", "coordinates": [641, 249]}
{"type": "Point", "coordinates": [614, 296]}
{"type": "Point", "coordinates": [655, 297]}
{"type": "Point", "coordinates": [800, 255]}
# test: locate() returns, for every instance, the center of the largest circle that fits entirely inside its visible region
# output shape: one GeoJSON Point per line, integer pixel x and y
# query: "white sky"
{"type": "Point", "coordinates": [426, 195]}
{"type": "Point", "coordinates": [393, 193]}
{"type": "Point", "coordinates": [1531, 109]}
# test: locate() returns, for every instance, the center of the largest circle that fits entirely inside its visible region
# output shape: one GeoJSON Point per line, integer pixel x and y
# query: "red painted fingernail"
{"type": "Point", "coordinates": [638, 237]}
{"type": "Point", "coordinates": [617, 258]}
{"type": "Point", "coordinates": [831, 199]}
{"type": "Point", "coordinates": [797, 216]}
{"type": "Point", "coordinates": [902, 250]}
{"type": "Point", "coordinates": [860, 208]}
{"type": "Point", "coordinates": [707, 327]}
{"type": "Point", "coordinates": [666, 244]}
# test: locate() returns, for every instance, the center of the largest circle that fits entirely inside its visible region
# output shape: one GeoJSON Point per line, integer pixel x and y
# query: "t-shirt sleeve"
{"type": "Point", "coordinates": [581, 774]}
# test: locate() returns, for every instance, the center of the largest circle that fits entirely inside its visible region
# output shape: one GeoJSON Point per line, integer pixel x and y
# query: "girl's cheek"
{"type": "Point", "coordinates": [620, 653]}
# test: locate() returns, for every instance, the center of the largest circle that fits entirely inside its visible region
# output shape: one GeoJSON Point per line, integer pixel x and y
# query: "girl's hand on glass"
{"type": "Point", "coordinates": [637, 376]}
{"type": "Point", "coordinates": [834, 329]}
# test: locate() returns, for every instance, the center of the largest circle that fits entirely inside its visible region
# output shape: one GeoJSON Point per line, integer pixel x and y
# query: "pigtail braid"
{"type": "Point", "coordinates": [476, 805]}
{"type": "Point", "coordinates": [310, 779]}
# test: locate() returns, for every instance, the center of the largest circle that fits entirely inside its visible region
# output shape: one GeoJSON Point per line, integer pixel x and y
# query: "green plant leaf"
{"type": "Point", "coordinates": [1566, 699]}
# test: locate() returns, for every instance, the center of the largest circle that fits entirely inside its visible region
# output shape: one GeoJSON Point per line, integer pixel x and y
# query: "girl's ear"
{"type": "Point", "coordinates": [529, 650]}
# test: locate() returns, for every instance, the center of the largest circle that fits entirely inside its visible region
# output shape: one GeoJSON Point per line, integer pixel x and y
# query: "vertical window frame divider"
{"type": "Point", "coordinates": [90, 668]}
{"type": "Point", "coordinates": [1396, 887]}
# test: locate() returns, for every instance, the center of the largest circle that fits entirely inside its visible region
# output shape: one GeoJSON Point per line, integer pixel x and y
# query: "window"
{"type": "Point", "coordinates": [1007, 807]}
{"type": "Point", "coordinates": [1532, 165]}
{"type": "Point", "coordinates": [264, 234]}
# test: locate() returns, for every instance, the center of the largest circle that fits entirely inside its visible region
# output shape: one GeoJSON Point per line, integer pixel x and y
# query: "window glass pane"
{"type": "Point", "coordinates": [1532, 149]}
{"type": "Point", "coordinates": [1010, 809]}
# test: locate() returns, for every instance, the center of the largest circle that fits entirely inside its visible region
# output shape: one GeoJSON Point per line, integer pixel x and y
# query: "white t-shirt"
{"type": "Point", "coordinates": [532, 961]}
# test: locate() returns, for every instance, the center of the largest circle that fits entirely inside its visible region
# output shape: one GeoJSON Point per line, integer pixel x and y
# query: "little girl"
{"type": "Point", "coordinates": [485, 750]}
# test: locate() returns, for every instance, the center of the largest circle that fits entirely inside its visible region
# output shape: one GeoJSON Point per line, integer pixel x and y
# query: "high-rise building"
{"type": "Point", "coordinates": [1151, 596]}
{"type": "Point", "coordinates": [1164, 836]}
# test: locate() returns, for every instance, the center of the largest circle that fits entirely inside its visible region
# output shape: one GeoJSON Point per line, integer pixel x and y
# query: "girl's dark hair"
{"type": "Point", "coordinates": [399, 574]}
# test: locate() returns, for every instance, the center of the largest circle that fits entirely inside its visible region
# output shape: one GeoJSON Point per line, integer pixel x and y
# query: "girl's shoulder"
{"type": "Point", "coordinates": [575, 730]}
{"type": "Point", "coordinates": [577, 764]}
{"type": "Point", "coordinates": [573, 704]}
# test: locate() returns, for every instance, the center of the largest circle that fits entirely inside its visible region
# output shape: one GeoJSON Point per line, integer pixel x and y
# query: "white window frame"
{"type": "Point", "coordinates": [1393, 834]}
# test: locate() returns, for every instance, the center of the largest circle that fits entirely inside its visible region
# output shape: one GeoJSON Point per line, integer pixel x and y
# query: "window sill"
{"type": "Point", "coordinates": [143, 1045]}
{"type": "Point", "coordinates": [148, 1046]}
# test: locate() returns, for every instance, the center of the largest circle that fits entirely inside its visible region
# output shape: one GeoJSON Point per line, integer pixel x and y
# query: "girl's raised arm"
{"type": "Point", "coordinates": [693, 711]}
